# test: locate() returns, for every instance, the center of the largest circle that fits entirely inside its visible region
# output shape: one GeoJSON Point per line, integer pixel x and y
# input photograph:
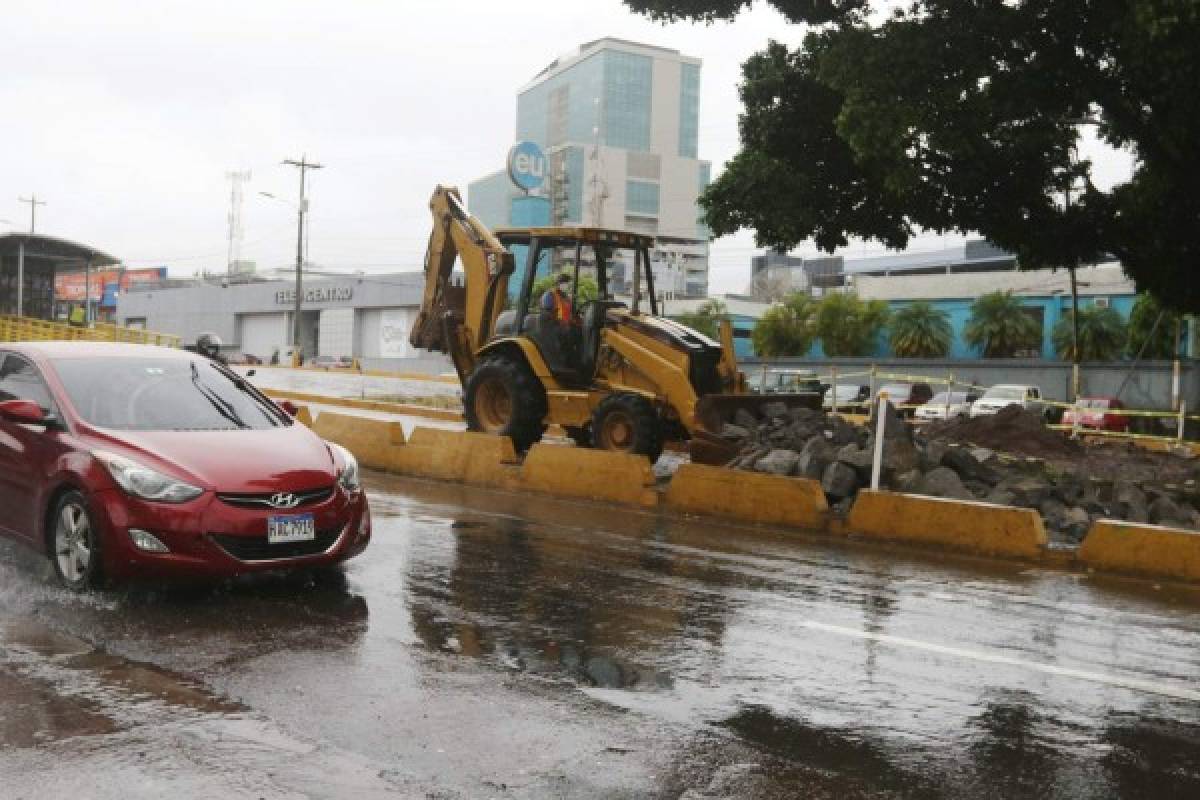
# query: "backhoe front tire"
{"type": "Point", "coordinates": [628, 423]}
{"type": "Point", "coordinates": [503, 397]}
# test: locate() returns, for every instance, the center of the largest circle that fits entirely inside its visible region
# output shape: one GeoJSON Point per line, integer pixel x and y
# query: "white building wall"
{"type": "Point", "coordinates": [336, 337]}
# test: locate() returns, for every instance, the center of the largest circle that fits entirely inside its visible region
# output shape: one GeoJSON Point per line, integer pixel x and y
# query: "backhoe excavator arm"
{"type": "Point", "coordinates": [458, 319]}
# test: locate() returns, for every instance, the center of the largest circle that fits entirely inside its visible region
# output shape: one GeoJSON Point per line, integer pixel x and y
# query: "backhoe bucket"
{"type": "Point", "coordinates": [714, 411]}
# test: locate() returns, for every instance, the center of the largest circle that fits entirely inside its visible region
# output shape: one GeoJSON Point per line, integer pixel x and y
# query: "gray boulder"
{"type": "Point", "coordinates": [1129, 502]}
{"type": "Point", "coordinates": [1165, 511]}
{"type": "Point", "coordinates": [840, 432]}
{"type": "Point", "coordinates": [908, 482]}
{"type": "Point", "coordinates": [858, 459]}
{"type": "Point", "coordinates": [744, 419]}
{"type": "Point", "coordinates": [815, 456]}
{"type": "Point", "coordinates": [1027, 491]}
{"type": "Point", "coordinates": [944, 482]}
{"type": "Point", "coordinates": [968, 468]}
{"type": "Point", "coordinates": [1075, 523]}
{"type": "Point", "coordinates": [734, 433]}
{"type": "Point", "coordinates": [773, 411]}
{"type": "Point", "coordinates": [778, 462]}
{"type": "Point", "coordinates": [1053, 513]}
{"type": "Point", "coordinates": [933, 453]}
{"type": "Point", "coordinates": [839, 481]}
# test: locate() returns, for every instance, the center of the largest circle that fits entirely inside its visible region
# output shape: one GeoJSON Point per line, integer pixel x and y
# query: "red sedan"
{"type": "Point", "coordinates": [126, 461]}
{"type": "Point", "coordinates": [1098, 413]}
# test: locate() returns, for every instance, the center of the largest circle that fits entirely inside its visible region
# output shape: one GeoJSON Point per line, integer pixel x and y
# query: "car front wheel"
{"type": "Point", "coordinates": [75, 543]}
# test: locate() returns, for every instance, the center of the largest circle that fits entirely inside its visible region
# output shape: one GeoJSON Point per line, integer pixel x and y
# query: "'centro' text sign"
{"type": "Point", "coordinates": [318, 294]}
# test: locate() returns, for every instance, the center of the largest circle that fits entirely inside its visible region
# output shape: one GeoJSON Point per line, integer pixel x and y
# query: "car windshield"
{"type": "Point", "coordinates": [1005, 393]}
{"type": "Point", "coordinates": [897, 389]}
{"type": "Point", "coordinates": [845, 390]}
{"type": "Point", "coordinates": [161, 394]}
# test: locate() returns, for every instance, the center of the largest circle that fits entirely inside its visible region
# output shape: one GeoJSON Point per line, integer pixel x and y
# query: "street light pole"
{"type": "Point", "coordinates": [303, 165]}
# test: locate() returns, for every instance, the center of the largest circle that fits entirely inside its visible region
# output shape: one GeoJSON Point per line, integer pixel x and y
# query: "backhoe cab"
{"type": "Point", "coordinates": [534, 349]}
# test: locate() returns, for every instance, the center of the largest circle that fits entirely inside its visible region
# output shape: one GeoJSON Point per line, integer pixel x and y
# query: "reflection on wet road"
{"type": "Point", "coordinates": [504, 646]}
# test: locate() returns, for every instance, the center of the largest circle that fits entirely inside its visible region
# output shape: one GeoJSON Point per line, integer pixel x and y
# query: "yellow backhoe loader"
{"type": "Point", "coordinates": [612, 375]}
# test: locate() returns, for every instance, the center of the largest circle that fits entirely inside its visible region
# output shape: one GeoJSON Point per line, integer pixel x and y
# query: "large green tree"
{"type": "Point", "coordinates": [1000, 327]}
{"type": "Point", "coordinates": [848, 325]}
{"type": "Point", "coordinates": [1102, 335]}
{"type": "Point", "coordinates": [706, 318]}
{"type": "Point", "coordinates": [920, 331]}
{"type": "Point", "coordinates": [964, 115]}
{"type": "Point", "coordinates": [1149, 335]}
{"type": "Point", "coordinates": [786, 329]}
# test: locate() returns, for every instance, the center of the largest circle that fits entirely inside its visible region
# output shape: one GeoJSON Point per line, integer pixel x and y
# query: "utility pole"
{"type": "Point", "coordinates": [303, 165]}
{"type": "Point", "coordinates": [236, 179]}
{"type": "Point", "coordinates": [33, 204]}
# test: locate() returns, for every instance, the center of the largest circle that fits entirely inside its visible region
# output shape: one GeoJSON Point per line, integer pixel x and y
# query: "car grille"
{"type": "Point", "coordinates": [263, 499]}
{"type": "Point", "coordinates": [257, 548]}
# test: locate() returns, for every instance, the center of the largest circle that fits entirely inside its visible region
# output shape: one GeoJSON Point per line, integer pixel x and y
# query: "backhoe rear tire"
{"type": "Point", "coordinates": [628, 423]}
{"type": "Point", "coordinates": [504, 397]}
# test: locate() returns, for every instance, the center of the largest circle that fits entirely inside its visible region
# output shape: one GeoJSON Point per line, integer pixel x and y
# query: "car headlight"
{"type": "Point", "coordinates": [348, 478]}
{"type": "Point", "coordinates": [141, 481]}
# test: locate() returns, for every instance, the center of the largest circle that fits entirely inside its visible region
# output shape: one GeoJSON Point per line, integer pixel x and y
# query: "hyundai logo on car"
{"type": "Point", "coordinates": [284, 500]}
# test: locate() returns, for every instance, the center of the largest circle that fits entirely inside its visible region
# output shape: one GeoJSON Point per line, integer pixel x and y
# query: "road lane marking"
{"type": "Point", "coordinates": [1166, 690]}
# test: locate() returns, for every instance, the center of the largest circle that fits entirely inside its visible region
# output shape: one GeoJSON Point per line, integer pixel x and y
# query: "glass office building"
{"type": "Point", "coordinates": [619, 122]}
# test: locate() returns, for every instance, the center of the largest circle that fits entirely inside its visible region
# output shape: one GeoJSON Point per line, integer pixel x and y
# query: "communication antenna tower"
{"type": "Point", "coordinates": [236, 179]}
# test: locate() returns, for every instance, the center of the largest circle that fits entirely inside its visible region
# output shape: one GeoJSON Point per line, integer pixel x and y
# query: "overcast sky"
{"type": "Point", "coordinates": [126, 116]}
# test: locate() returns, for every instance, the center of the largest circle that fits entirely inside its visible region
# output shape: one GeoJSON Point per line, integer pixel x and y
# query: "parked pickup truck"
{"type": "Point", "coordinates": [1007, 394]}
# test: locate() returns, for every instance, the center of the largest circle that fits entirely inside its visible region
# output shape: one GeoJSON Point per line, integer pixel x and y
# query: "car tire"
{"type": "Point", "coordinates": [73, 543]}
{"type": "Point", "coordinates": [628, 423]}
{"type": "Point", "coordinates": [504, 397]}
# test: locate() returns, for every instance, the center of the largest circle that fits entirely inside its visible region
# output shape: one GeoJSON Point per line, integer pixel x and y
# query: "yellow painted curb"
{"type": "Point", "coordinates": [589, 474]}
{"type": "Point", "coordinates": [747, 496]}
{"type": "Point", "coordinates": [405, 409]}
{"type": "Point", "coordinates": [981, 528]}
{"type": "Point", "coordinates": [370, 440]}
{"type": "Point", "coordinates": [1142, 549]}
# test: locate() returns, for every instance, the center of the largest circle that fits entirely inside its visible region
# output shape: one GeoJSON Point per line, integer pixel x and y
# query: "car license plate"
{"type": "Point", "coordinates": [295, 528]}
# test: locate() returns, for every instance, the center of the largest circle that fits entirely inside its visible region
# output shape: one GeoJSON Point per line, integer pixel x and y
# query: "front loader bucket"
{"type": "Point", "coordinates": [714, 411]}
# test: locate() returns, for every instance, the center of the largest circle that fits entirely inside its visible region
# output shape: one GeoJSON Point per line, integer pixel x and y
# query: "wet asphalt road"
{"type": "Point", "coordinates": [492, 645]}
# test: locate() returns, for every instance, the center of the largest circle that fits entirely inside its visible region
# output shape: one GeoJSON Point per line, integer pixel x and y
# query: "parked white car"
{"type": "Point", "coordinates": [1007, 394]}
{"type": "Point", "coordinates": [957, 404]}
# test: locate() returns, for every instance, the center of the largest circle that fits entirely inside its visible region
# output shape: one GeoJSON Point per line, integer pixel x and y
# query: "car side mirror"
{"type": "Point", "coordinates": [250, 373]}
{"type": "Point", "coordinates": [290, 408]}
{"type": "Point", "coordinates": [25, 412]}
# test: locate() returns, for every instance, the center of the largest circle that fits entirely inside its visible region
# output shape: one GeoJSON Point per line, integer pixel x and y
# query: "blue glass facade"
{"type": "Point", "coordinates": [689, 109]}
{"type": "Point", "coordinates": [641, 197]}
{"type": "Point", "coordinates": [563, 108]}
{"type": "Point", "coordinates": [628, 84]}
{"type": "Point", "coordinates": [573, 166]}
{"type": "Point", "coordinates": [702, 230]}
{"type": "Point", "coordinates": [490, 198]}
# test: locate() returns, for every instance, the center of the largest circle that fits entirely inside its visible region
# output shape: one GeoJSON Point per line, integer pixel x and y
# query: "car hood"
{"type": "Point", "coordinates": [249, 461]}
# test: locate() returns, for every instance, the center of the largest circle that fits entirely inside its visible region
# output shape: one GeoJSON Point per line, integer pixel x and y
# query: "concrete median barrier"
{"type": "Point", "coordinates": [304, 416]}
{"type": "Point", "coordinates": [747, 496]}
{"type": "Point", "coordinates": [370, 440]}
{"type": "Point", "coordinates": [589, 474]}
{"type": "Point", "coordinates": [476, 458]}
{"type": "Point", "coordinates": [980, 528]}
{"type": "Point", "coordinates": [1137, 549]}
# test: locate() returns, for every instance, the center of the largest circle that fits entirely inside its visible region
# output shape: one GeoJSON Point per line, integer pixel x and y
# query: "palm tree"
{"type": "Point", "coordinates": [849, 326]}
{"type": "Point", "coordinates": [1000, 326]}
{"type": "Point", "coordinates": [706, 318]}
{"type": "Point", "coordinates": [1102, 335]}
{"type": "Point", "coordinates": [921, 331]}
{"type": "Point", "coordinates": [785, 329]}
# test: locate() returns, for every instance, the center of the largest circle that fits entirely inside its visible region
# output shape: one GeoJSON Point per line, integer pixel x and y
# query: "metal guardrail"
{"type": "Point", "coordinates": [25, 329]}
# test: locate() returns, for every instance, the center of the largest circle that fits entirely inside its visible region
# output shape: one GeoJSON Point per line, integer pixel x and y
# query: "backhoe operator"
{"type": "Point", "coordinates": [557, 302]}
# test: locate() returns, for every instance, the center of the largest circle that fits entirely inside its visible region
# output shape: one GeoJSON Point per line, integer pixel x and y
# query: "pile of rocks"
{"type": "Point", "coordinates": [810, 444]}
